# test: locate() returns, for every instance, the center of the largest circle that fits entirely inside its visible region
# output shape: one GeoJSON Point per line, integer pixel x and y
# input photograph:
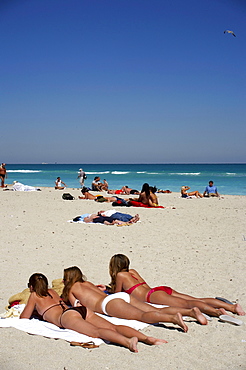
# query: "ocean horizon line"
{"type": "Point", "coordinates": [121, 163]}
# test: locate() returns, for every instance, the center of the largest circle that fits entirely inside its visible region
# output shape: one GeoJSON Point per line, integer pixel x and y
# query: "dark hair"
{"type": "Point", "coordinates": [39, 283]}
{"type": "Point", "coordinates": [153, 189]}
{"type": "Point", "coordinates": [84, 190]}
{"type": "Point", "coordinates": [211, 181]}
{"type": "Point", "coordinates": [71, 276]}
{"type": "Point", "coordinates": [118, 263]}
{"type": "Point", "coordinates": [146, 189]}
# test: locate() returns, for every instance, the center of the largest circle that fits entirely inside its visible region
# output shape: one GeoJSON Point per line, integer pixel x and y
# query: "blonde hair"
{"type": "Point", "coordinates": [71, 276]}
{"type": "Point", "coordinates": [118, 263]}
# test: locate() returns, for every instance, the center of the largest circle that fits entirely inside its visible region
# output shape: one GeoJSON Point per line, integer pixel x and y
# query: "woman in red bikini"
{"type": "Point", "coordinates": [128, 280]}
{"type": "Point", "coordinates": [121, 305]}
{"type": "Point", "coordinates": [52, 309]}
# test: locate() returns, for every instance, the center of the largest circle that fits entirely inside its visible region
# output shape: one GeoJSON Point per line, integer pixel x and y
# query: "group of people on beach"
{"type": "Point", "coordinates": [146, 197]}
{"type": "Point", "coordinates": [125, 298]}
{"type": "Point", "coordinates": [210, 191]}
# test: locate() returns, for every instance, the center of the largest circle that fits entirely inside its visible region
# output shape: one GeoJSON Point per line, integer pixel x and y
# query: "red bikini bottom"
{"type": "Point", "coordinates": [165, 289]}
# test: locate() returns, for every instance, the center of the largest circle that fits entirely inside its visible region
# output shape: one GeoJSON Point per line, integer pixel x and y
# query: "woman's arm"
{"type": "Point", "coordinates": [28, 310]}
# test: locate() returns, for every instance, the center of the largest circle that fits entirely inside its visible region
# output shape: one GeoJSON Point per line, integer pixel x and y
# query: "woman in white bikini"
{"type": "Point", "coordinates": [121, 304]}
{"type": "Point", "coordinates": [50, 306]}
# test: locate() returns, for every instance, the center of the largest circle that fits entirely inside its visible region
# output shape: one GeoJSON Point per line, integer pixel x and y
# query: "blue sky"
{"type": "Point", "coordinates": [118, 81]}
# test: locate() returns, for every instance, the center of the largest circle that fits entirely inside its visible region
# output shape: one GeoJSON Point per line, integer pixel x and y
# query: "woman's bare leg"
{"type": "Point", "coordinates": [192, 312]}
{"type": "Point", "coordinates": [73, 320]}
{"type": "Point", "coordinates": [161, 297]}
{"type": "Point", "coordinates": [233, 308]}
{"type": "Point", "coordinates": [196, 193]}
{"type": "Point", "coordinates": [119, 308]}
{"type": "Point", "coordinates": [122, 329]}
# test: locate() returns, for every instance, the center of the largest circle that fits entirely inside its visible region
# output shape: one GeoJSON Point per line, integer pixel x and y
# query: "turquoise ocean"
{"type": "Point", "coordinates": [229, 178]}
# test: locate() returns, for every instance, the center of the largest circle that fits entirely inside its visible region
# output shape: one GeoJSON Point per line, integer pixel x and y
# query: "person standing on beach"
{"type": "Point", "coordinates": [3, 174]}
{"type": "Point", "coordinates": [82, 176]}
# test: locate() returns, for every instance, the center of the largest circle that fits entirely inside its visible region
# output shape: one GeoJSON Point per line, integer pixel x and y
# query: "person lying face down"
{"type": "Point", "coordinates": [108, 218]}
{"type": "Point", "coordinates": [80, 319]}
{"type": "Point", "coordinates": [97, 198]}
{"type": "Point", "coordinates": [121, 305]}
{"type": "Point", "coordinates": [124, 279]}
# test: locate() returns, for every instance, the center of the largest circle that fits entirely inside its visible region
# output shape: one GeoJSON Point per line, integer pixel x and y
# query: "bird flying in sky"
{"type": "Point", "coordinates": [228, 31]}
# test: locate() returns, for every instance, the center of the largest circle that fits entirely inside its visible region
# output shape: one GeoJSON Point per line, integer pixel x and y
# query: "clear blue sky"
{"type": "Point", "coordinates": [122, 81]}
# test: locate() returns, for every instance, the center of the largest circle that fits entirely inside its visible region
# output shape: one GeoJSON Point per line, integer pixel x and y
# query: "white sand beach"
{"type": "Point", "coordinates": [197, 248]}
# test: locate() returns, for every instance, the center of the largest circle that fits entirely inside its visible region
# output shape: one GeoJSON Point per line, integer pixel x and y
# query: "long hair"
{"type": "Point", "coordinates": [145, 189]}
{"type": "Point", "coordinates": [39, 283]}
{"type": "Point", "coordinates": [118, 263]}
{"type": "Point", "coordinates": [71, 276]}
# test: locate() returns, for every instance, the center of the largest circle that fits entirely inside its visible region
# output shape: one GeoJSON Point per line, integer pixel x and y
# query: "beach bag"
{"type": "Point", "coordinates": [67, 196]}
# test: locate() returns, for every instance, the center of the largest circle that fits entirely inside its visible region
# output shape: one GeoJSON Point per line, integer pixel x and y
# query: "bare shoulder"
{"type": "Point", "coordinates": [87, 284]}
{"type": "Point", "coordinates": [53, 293]}
{"type": "Point", "coordinates": [135, 273]}
{"type": "Point", "coordinates": [132, 271]}
{"type": "Point", "coordinates": [122, 274]}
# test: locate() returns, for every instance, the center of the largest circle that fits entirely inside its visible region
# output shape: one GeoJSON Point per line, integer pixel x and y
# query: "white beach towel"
{"type": "Point", "coordinates": [49, 330]}
{"type": "Point", "coordinates": [18, 186]}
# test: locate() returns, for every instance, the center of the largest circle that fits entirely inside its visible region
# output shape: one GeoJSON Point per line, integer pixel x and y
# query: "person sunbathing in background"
{"type": "Point", "coordinates": [184, 193]}
{"type": "Point", "coordinates": [80, 319]}
{"type": "Point", "coordinates": [125, 190]}
{"type": "Point", "coordinates": [146, 196]}
{"type": "Point", "coordinates": [110, 217]}
{"type": "Point", "coordinates": [120, 305]}
{"type": "Point", "coordinates": [98, 198]}
{"type": "Point", "coordinates": [128, 280]}
{"type": "Point", "coordinates": [163, 191]}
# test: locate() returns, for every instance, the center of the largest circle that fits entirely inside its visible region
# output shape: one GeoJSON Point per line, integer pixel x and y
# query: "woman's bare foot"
{"type": "Point", "coordinates": [136, 218]}
{"type": "Point", "coordinates": [178, 319]}
{"type": "Point", "coordinates": [196, 313]}
{"type": "Point", "coordinates": [239, 310]}
{"type": "Point", "coordinates": [154, 341]}
{"type": "Point", "coordinates": [133, 342]}
{"type": "Point", "coordinates": [222, 311]}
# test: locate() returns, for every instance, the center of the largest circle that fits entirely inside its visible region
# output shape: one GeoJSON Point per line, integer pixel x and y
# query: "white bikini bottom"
{"type": "Point", "coordinates": [119, 295]}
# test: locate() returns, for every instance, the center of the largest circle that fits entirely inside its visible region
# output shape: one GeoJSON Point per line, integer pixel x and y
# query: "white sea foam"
{"type": "Point", "coordinates": [119, 172]}
{"type": "Point", "coordinates": [97, 173]}
{"type": "Point", "coordinates": [231, 173]}
{"type": "Point", "coordinates": [185, 173]}
{"type": "Point", "coordinates": [141, 171]}
{"type": "Point", "coordinates": [24, 171]}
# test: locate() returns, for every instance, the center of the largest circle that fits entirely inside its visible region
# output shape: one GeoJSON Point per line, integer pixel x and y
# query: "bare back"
{"type": "Point", "coordinates": [126, 280]}
{"type": "Point", "coordinates": [49, 307]}
{"type": "Point", "coordinates": [90, 196]}
{"type": "Point", "coordinates": [148, 200]}
{"type": "Point", "coordinates": [88, 295]}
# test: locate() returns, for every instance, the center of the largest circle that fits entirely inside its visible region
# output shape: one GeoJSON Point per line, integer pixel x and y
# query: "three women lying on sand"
{"type": "Point", "coordinates": [86, 299]}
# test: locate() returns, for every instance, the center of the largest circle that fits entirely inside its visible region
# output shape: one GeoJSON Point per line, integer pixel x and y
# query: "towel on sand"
{"type": "Point", "coordinates": [139, 204]}
{"type": "Point", "coordinates": [49, 330]}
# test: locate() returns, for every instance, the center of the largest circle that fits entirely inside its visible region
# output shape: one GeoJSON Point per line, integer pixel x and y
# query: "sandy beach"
{"type": "Point", "coordinates": [197, 248]}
